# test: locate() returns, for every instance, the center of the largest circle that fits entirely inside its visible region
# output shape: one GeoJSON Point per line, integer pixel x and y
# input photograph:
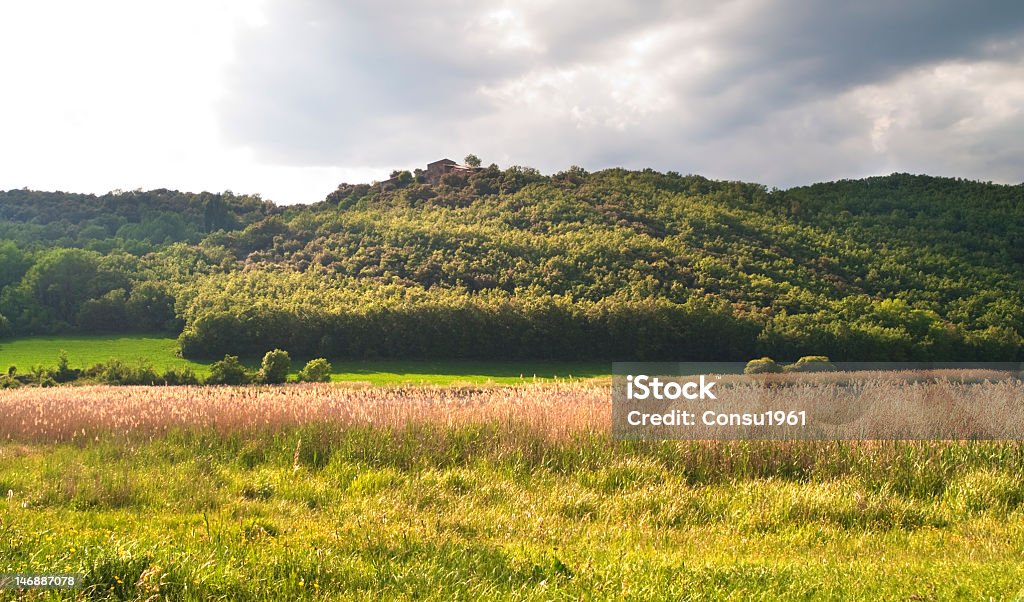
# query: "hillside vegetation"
{"type": "Point", "coordinates": [511, 264]}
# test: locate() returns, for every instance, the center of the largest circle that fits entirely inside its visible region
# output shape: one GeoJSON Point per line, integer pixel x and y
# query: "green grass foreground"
{"type": "Point", "coordinates": [495, 512]}
{"type": "Point", "coordinates": [161, 353]}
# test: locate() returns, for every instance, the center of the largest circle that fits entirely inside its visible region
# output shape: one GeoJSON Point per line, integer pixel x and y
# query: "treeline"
{"type": "Point", "coordinates": [512, 263]}
{"type": "Point", "coordinates": [311, 315]}
{"type": "Point", "coordinates": [66, 290]}
{"type": "Point", "coordinates": [110, 263]}
{"type": "Point", "coordinates": [273, 370]}
{"type": "Point", "coordinates": [137, 221]}
{"type": "Point", "coordinates": [314, 315]}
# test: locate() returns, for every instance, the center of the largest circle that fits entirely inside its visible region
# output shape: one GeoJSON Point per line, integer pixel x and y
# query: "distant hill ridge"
{"type": "Point", "coordinates": [623, 263]}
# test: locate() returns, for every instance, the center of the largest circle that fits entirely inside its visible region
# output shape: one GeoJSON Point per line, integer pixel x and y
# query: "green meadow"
{"type": "Point", "coordinates": [484, 513]}
{"type": "Point", "coordinates": [162, 353]}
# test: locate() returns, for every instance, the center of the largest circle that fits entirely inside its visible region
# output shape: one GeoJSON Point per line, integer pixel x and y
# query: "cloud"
{"type": "Point", "coordinates": [121, 94]}
{"type": "Point", "coordinates": [289, 97]}
{"type": "Point", "coordinates": [783, 92]}
{"type": "Point", "coordinates": [951, 119]}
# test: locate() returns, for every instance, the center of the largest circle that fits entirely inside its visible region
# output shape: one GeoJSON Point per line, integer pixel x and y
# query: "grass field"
{"type": "Point", "coordinates": [320, 492]}
{"type": "Point", "coordinates": [161, 352]}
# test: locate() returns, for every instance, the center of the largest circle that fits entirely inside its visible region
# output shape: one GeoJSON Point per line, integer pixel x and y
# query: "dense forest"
{"type": "Point", "coordinates": [511, 263]}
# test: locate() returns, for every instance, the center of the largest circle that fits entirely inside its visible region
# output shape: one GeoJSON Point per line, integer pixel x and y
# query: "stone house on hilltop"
{"type": "Point", "coordinates": [438, 169]}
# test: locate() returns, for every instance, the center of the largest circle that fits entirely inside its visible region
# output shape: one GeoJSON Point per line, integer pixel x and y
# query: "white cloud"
{"type": "Point", "coordinates": [949, 119]}
{"type": "Point", "coordinates": [122, 94]}
{"type": "Point", "coordinates": [289, 98]}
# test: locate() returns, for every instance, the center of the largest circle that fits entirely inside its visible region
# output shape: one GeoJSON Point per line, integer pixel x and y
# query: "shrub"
{"type": "Point", "coordinates": [64, 373]}
{"type": "Point", "coordinates": [315, 371]}
{"type": "Point", "coordinates": [764, 365]}
{"type": "Point", "coordinates": [811, 363]}
{"type": "Point", "coordinates": [228, 371]}
{"type": "Point", "coordinates": [275, 367]}
{"type": "Point", "coordinates": [180, 376]}
{"type": "Point", "coordinates": [119, 372]}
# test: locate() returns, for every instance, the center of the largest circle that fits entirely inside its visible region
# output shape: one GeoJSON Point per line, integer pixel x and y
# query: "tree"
{"type": "Point", "coordinates": [315, 371]}
{"type": "Point", "coordinates": [275, 367]}
{"type": "Point", "coordinates": [215, 214]}
{"type": "Point", "coordinates": [228, 371]}
{"type": "Point", "coordinates": [63, 279]}
{"type": "Point", "coordinates": [104, 314]}
{"type": "Point", "coordinates": [64, 372]}
{"type": "Point", "coordinates": [150, 308]}
{"type": "Point", "coordinates": [13, 263]}
{"type": "Point", "coordinates": [402, 178]}
{"type": "Point", "coordinates": [472, 160]}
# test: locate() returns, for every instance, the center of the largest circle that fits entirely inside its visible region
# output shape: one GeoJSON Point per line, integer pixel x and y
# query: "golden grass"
{"type": "Point", "coordinates": [549, 410]}
{"type": "Point", "coordinates": [82, 413]}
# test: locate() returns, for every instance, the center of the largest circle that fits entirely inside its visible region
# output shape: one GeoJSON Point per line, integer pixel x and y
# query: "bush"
{"type": "Point", "coordinates": [275, 367]}
{"type": "Point", "coordinates": [181, 376]}
{"type": "Point", "coordinates": [119, 372]}
{"type": "Point", "coordinates": [315, 371]}
{"type": "Point", "coordinates": [228, 371]}
{"type": "Point", "coordinates": [765, 365]}
{"type": "Point", "coordinates": [811, 363]}
{"type": "Point", "coordinates": [64, 373]}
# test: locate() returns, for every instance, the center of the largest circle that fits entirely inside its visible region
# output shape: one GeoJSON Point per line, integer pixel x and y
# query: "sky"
{"type": "Point", "coordinates": [289, 98]}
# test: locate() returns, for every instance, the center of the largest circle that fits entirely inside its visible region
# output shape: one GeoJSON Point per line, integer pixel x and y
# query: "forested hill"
{"type": "Point", "coordinates": [135, 221]}
{"type": "Point", "coordinates": [511, 263]}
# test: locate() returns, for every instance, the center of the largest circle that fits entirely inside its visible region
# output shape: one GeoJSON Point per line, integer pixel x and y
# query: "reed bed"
{"type": "Point", "coordinates": [983, 402]}
{"type": "Point", "coordinates": [979, 405]}
{"type": "Point", "coordinates": [62, 414]}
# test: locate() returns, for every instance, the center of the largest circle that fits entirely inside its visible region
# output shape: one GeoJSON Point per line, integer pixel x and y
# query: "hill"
{"type": "Point", "coordinates": [511, 263]}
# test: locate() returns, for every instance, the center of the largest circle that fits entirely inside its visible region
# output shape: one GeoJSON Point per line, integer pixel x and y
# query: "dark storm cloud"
{"type": "Point", "coordinates": [831, 45]}
{"type": "Point", "coordinates": [724, 88]}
